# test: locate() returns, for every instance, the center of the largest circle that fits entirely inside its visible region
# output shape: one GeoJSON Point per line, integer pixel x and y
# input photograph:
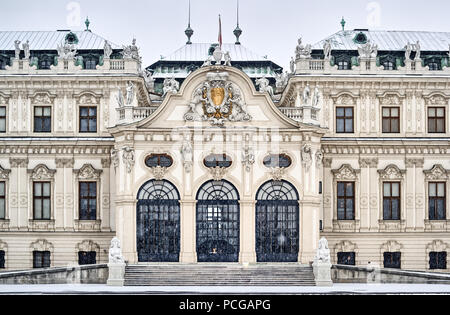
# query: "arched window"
{"type": "Point", "coordinates": [217, 160]}
{"type": "Point", "coordinates": [277, 222]}
{"type": "Point", "coordinates": [218, 222]}
{"type": "Point", "coordinates": [158, 222]}
{"type": "Point", "coordinates": [162, 160]}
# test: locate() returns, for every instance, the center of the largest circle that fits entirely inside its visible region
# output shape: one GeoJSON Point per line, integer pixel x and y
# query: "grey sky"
{"type": "Point", "coordinates": [270, 27]}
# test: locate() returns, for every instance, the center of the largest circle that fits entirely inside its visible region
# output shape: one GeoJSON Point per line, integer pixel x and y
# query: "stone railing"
{"type": "Point", "coordinates": [63, 66]}
{"type": "Point", "coordinates": [130, 114]}
{"type": "Point", "coordinates": [294, 113]}
{"type": "Point", "coordinates": [366, 66]}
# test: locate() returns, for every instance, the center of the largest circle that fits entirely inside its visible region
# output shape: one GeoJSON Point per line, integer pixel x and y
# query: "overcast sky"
{"type": "Point", "coordinates": [270, 27]}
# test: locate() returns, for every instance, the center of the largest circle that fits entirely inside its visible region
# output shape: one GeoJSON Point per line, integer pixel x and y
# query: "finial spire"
{"type": "Point", "coordinates": [87, 22]}
{"type": "Point", "coordinates": [237, 31]}
{"type": "Point", "coordinates": [343, 23]}
{"type": "Point", "coordinates": [189, 31]}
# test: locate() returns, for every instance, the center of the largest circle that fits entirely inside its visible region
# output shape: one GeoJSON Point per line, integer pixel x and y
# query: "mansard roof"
{"type": "Point", "coordinates": [49, 40]}
{"type": "Point", "coordinates": [388, 40]}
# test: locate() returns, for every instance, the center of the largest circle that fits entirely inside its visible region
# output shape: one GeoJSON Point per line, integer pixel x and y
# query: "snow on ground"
{"type": "Point", "coordinates": [337, 288]}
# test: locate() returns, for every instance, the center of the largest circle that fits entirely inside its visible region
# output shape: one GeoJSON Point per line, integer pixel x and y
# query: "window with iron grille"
{"type": "Point", "coordinates": [346, 200]}
{"type": "Point", "coordinates": [392, 260]}
{"type": "Point", "coordinates": [391, 119]}
{"type": "Point", "coordinates": [87, 258]}
{"type": "Point", "coordinates": [88, 119]}
{"type": "Point", "coordinates": [42, 119]}
{"type": "Point", "coordinates": [162, 160]}
{"type": "Point", "coordinates": [438, 260]}
{"type": "Point", "coordinates": [41, 200]}
{"type": "Point", "coordinates": [2, 119]}
{"type": "Point", "coordinates": [391, 201]}
{"type": "Point", "coordinates": [437, 201]}
{"type": "Point", "coordinates": [2, 200]}
{"type": "Point", "coordinates": [346, 258]}
{"type": "Point", "coordinates": [436, 119]}
{"type": "Point", "coordinates": [41, 259]}
{"type": "Point", "coordinates": [2, 259]}
{"type": "Point", "coordinates": [88, 200]}
{"type": "Point", "coordinates": [344, 120]}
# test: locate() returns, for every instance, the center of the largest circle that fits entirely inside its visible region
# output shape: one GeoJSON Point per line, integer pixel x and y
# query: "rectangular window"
{"type": "Point", "coordinates": [436, 201]}
{"type": "Point", "coordinates": [2, 119]}
{"type": "Point", "coordinates": [436, 119]}
{"type": "Point", "coordinates": [42, 119]}
{"type": "Point", "coordinates": [392, 260]}
{"type": "Point", "coordinates": [2, 259]}
{"type": "Point", "coordinates": [391, 201]}
{"type": "Point", "coordinates": [88, 200]}
{"type": "Point", "coordinates": [87, 258]}
{"type": "Point", "coordinates": [88, 119]}
{"type": "Point", "coordinates": [438, 260]}
{"type": "Point", "coordinates": [41, 200]}
{"type": "Point", "coordinates": [391, 119]}
{"type": "Point", "coordinates": [41, 259]}
{"type": "Point", "coordinates": [344, 120]}
{"type": "Point", "coordinates": [346, 258]}
{"type": "Point", "coordinates": [346, 200]}
{"type": "Point", "coordinates": [2, 200]}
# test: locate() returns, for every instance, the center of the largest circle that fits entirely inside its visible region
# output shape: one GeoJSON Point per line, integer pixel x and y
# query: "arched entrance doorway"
{"type": "Point", "coordinates": [277, 222]}
{"type": "Point", "coordinates": [158, 222]}
{"type": "Point", "coordinates": [218, 222]}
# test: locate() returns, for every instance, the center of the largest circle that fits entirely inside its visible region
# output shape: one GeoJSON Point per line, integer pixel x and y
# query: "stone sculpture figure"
{"type": "Point", "coordinates": [408, 50]}
{"type": "Point", "coordinates": [170, 86]}
{"type": "Point", "coordinates": [128, 158]}
{"type": "Point", "coordinates": [186, 153]}
{"type": "Point", "coordinates": [306, 155]}
{"type": "Point", "coordinates": [303, 51]}
{"type": "Point", "coordinates": [323, 252]}
{"type": "Point", "coordinates": [26, 49]}
{"type": "Point", "coordinates": [207, 62]}
{"type": "Point", "coordinates": [227, 58]}
{"type": "Point", "coordinates": [115, 252]}
{"type": "Point", "coordinates": [107, 50]}
{"type": "Point", "coordinates": [306, 94]}
{"type": "Point", "coordinates": [264, 86]}
{"type": "Point", "coordinates": [66, 51]}
{"type": "Point", "coordinates": [316, 97]}
{"type": "Point", "coordinates": [120, 99]}
{"type": "Point", "coordinates": [292, 65]}
{"type": "Point", "coordinates": [327, 49]}
{"type": "Point", "coordinates": [218, 55]}
{"type": "Point", "coordinates": [368, 50]}
{"type": "Point", "coordinates": [417, 50]}
{"type": "Point", "coordinates": [149, 81]}
{"type": "Point", "coordinates": [130, 93]}
{"type": "Point", "coordinates": [17, 48]}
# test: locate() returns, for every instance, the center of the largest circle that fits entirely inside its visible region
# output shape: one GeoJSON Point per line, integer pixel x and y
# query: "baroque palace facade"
{"type": "Point", "coordinates": [213, 154]}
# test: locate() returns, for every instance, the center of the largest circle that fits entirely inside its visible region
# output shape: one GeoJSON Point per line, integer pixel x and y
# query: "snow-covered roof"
{"type": "Point", "coordinates": [389, 40]}
{"type": "Point", "coordinates": [49, 40]}
{"type": "Point", "coordinates": [199, 52]}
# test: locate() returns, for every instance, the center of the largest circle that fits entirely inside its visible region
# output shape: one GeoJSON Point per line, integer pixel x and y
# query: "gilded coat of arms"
{"type": "Point", "coordinates": [217, 100]}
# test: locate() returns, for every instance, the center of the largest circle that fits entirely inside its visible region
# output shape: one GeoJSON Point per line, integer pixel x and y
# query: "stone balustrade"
{"type": "Point", "coordinates": [130, 114]}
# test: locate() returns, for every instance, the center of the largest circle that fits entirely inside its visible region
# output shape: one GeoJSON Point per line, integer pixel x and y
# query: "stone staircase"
{"type": "Point", "coordinates": [219, 275]}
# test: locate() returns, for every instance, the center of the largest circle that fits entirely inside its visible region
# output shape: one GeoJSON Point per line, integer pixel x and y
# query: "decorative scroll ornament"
{"type": "Point", "coordinates": [186, 153]}
{"type": "Point", "coordinates": [306, 154]}
{"type": "Point", "coordinates": [217, 101]}
{"type": "Point", "coordinates": [159, 172]}
{"type": "Point", "coordinates": [88, 172]}
{"type": "Point", "coordinates": [438, 172]}
{"type": "Point", "coordinates": [248, 158]}
{"type": "Point", "coordinates": [218, 173]}
{"type": "Point", "coordinates": [4, 174]}
{"type": "Point", "coordinates": [42, 172]}
{"type": "Point", "coordinates": [391, 172]}
{"type": "Point", "coordinates": [115, 157]}
{"type": "Point", "coordinates": [346, 172]}
{"type": "Point", "coordinates": [277, 173]}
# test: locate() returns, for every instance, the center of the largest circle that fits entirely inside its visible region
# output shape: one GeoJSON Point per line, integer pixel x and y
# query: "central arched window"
{"type": "Point", "coordinates": [218, 222]}
{"type": "Point", "coordinates": [158, 222]}
{"type": "Point", "coordinates": [277, 222]}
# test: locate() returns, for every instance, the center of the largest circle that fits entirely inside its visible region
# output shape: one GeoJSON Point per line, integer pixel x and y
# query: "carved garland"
{"type": "Point", "coordinates": [346, 172]}
{"type": "Point", "coordinates": [392, 172]}
{"type": "Point", "coordinates": [88, 172]}
{"type": "Point", "coordinates": [41, 245]}
{"type": "Point", "coordinates": [391, 246]}
{"type": "Point", "coordinates": [42, 172]}
{"type": "Point", "coordinates": [87, 246]}
{"type": "Point", "coordinates": [438, 172]}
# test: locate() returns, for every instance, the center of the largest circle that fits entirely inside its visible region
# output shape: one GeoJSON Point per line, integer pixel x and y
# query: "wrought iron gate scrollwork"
{"type": "Point", "coordinates": [218, 222]}
{"type": "Point", "coordinates": [277, 222]}
{"type": "Point", "coordinates": [158, 222]}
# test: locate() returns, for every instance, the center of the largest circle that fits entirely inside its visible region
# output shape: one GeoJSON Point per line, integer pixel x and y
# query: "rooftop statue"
{"type": "Point", "coordinates": [264, 85]}
{"type": "Point", "coordinates": [408, 50]}
{"type": "Point", "coordinates": [368, 50]}
{"type": "Point", "coordinates": [131, 52]}
{"type": "Point", "coordinates": [303, 51]}
{"type": "Point", "coordinates": [130, 93]}
{"type": "Point", "coordinates": [107, 50]}
{"type": "Point", "coordinates": [66, 51]}
{"type": "Point", "coordinates": [281, 80]}
{"type": "Point", "coordinates": [17, 48]}
{"type": "Point", "coordinates": [227, 59]}
{"type": "Point", "coordinates": [417, 50]}
{"type": "Point", "coordinates": [26, 49]}
{"type": "Point", "coordinates": [149, 81]}
{"type": "Point", "coordinates": [327, 49]}
{"type": "Point", "coordinates": [170, 86]}
{"type": "Point", "coordinates": [292, 64]}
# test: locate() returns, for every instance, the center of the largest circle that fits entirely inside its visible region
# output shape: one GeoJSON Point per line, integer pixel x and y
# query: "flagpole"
{"type": "Point", "coordinates": [220, 31]}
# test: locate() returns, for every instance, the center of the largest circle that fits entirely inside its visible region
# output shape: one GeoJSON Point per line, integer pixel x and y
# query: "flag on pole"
{"type": "Point", "coordinates": [220, 32]}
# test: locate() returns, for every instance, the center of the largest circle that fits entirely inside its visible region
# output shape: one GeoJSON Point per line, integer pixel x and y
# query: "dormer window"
{"type": "Point", "coordinates": [360, 38]}
{"type": "Point", "coordinates": [217, 160]}
{"type": "Point", "coordinates": [71, 39]}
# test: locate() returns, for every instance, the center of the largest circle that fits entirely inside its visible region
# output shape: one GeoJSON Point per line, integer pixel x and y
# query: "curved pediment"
{"type": "Point", "coordinates": [218, 96]}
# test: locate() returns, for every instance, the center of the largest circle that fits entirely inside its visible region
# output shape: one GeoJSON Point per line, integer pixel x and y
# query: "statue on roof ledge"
{"type": "Point", "coordinates": [408, 50]}
{"type": "Point", "coordinates": [264, 85]}
{"type": "Point", "coordinates": [170, 86]}
{"type": "Point", "coordinates": [26, 49]}
{"type": "Point", "coordinates": [327, 49]}
{"type": "Point", "coordinates": [66, 51]}
{"type": "Point", "coordinates": [417, 50]}
{"type": "Point", "coordinates": [131, 52]}
{"type": "Point", "coordinates": [303, 52]}
{"type": "Point", "coordinates": [107, 50]}
{"type": "Point", "coordinates": [17, 48]}
{"type": "Point", "coordinates": [149, 81]}
{"type": "Point", "coordinates": [368, 50]}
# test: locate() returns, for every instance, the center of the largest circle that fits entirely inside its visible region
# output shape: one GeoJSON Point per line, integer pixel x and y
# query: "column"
{"type": "Point", "coordinates": [309, 228]}
{"type": "Point", "coordinates": [420, 203]}
{"type": "Point", "coordinates": [374, 196]}
{"type": "Point", "coordinates": [188, 254]}
{"type": "Point", "coordinates": [60, 188]}
{"type": "Point", "coordinates": [365, 179]}
{"type": "Point", "coordinates": [327, 187]}
{"type": "Point", "coordinates": [20, 165]}
{"type": "Point", "coordinates": [247, 232]}
{"type": "Point", "coordinates": [105, 196]}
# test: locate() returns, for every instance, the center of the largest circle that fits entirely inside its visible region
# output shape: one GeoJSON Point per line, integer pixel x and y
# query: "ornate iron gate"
{"type": "Point", "coordinates": [218, 222]}
{"type": "Point", "coordinates": [158, 222]}
{"type": "Point", "coordinates": [277, 223]}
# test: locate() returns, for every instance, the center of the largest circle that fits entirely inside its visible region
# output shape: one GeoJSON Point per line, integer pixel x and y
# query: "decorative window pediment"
{"type": "Point", "coordinates": [3, 100]}
{"type": "Point", "coordinates": [87, 99]}
{"type": "Point", "coordinates": [391, 99]}
{"type": "Point", "coordinates": [345, 246]}
{"type": "Point", "coordinates": [88, 172]}
{"type": "Point", "coordinates": [4, 174]}
{"type": "Point", "coordinates": [344, 99]}
{"type": "Point", "coordinates": [346, 172]}
{"type": "Point", "coordinates": [437, 246]}
{"type": "Point", "coordinates": [42, 172]}
{"type": "Point", "coordinates": [87, 246]}
{"type": "Point", "coordinates": [436, 99]}
{"type": "Point", "coordinates": [42, 98]}
{"type": "Point", "coordinates": [42, 246]}
{"type": "Point", "coordinates": [392, 172]}
{"type": "Point", "coordinates": [391, 246]}
{"type": "Point", "coordinates": [438, 172]}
